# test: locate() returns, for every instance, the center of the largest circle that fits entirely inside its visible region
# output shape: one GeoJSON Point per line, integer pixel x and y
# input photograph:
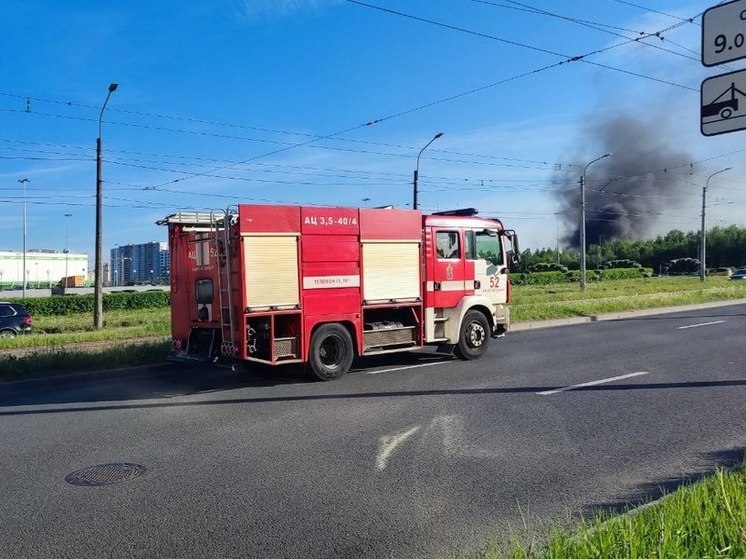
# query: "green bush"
{"type": "Point", "coordinates": [590, 275]}
{"type": "Point", "coordinates": [61, 305]}
{"type": "Point", "coordinates": [622, 273]}
{"type": "Point", "coordinates": [682, 266]}
{"type": "Point", "coordinates": [621, 264]}
{"type": "Point", "coordinates": [538, 278]}
{"type": "Point", "coordinates": [547, 267]}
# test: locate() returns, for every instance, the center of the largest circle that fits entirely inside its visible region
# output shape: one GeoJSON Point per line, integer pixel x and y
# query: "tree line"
{"type": "Point", "coordinates": [726, 246]}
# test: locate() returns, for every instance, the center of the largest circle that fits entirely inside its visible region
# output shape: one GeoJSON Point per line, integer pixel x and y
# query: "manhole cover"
{"type": "Point", "coordinates": [105, 474]}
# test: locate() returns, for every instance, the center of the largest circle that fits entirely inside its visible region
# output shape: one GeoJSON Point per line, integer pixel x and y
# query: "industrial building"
{"type": "Point", "coordinates": [44, 268]}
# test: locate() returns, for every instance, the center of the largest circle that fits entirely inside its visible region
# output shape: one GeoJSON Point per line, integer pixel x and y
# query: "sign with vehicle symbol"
{"type": "Point", "coordinates": [724, 33]}
{"type": "Point", "coordinates": [723, 104]}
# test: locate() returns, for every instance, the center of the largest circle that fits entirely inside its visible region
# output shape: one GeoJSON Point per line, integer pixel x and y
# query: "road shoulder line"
{"type": "Point", "coordinates": [591, 383]}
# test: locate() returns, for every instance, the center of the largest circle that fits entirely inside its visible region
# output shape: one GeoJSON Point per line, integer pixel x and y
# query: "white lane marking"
{"type": "Point", "coordinates": [408, 367]}
{"type": "Point", "coordinates": [701, 324]}
{"type": "Point", "coordinates": [592, 383]}
{"type": "Point", "coordinates": [388, 443]}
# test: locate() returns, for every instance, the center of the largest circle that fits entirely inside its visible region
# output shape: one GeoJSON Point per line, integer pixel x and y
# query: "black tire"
{"type": "Point", "coordinates": [7, 334]}
{"type": "Point", "coordinates": [474, 338]}
{"type": "Point", "coordinates": [331, 352]}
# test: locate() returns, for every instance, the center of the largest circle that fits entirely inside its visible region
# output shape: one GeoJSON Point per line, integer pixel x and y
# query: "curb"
{"type": "Point", "coordinates": [621, 315]}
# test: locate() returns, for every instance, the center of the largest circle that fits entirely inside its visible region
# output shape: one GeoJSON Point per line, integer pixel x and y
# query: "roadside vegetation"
{"type": "Point", "coordinates": [698, 521]}
{"type": "Point", "coordinates": [136, 332]}
{"type": "Point", "coordinates": [58, 330]}
{"type": "Point", "coordinates": [541, 302]}
{"type": "Point", "coordinates": [726, 246]}
{"type": "Point", "coordinates": [58, 360]}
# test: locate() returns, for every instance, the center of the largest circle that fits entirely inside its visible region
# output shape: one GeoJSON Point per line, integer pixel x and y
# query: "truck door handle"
{"type": "Point", "coordinates": [477, 284]}
{"type": "Point", "coordinates": [436, 286]}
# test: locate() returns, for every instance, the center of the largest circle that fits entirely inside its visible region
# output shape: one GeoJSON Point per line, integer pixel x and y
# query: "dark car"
{"type": "Point", "coordinates": [739, 274]}
{"type": "Point", "coordinates": [14, 320]}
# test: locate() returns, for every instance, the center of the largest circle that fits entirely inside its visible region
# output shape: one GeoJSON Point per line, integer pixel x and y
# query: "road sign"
{"type": "Point", "coordinates": [723, 103]}
{"type": "Point", "coordinates": [724, 33]}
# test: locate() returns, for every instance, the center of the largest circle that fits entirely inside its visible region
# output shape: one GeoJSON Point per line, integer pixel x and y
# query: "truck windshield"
{"type": "Point", "coordinates": [484, 244]}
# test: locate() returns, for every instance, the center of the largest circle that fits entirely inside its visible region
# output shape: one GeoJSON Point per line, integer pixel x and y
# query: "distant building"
{"type": "Point", "coordinates": [139, 264]}
{"type": "Point", "coordinates": [43, 267]}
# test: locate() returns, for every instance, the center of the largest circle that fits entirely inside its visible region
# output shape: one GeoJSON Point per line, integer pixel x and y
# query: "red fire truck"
{"type": "Point", "coordinates": [321, 285]}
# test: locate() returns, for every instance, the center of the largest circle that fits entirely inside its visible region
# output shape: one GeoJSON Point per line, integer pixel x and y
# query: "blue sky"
{"type": "Point", "coordinates": [267, 100]}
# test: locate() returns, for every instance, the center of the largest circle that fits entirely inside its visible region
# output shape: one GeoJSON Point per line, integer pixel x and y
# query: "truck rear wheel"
{"type": "Point", "coordinates": [474, 337]}
{"type": "Point", "coordinates": [331, 352]}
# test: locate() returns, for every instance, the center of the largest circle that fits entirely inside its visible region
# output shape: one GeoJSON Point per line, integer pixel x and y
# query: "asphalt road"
{"type": "Point", "coordinates": [429, 461]}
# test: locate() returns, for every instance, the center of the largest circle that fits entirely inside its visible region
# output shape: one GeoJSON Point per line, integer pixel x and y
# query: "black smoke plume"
{"type": "Point", "coordinates": [627, 192]}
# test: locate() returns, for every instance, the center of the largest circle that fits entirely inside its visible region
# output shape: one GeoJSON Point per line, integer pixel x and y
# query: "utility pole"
{"type": "Point", "coordinates": [582, 221]}
{"type": "Point", "coordinates": [703, 234]}
{"type": "Point", "coordinates": [98, 291]}
{"type": "Point", "coordinates": [417, 170]}
{"type": "Point", "coordinates": [24, 182]}
{"type": "Point", "coordinates": [558, 248]}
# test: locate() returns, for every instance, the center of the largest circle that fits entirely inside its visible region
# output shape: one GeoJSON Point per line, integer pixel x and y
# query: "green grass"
{"type": "Point", "coordinates": [704, 520]}
{"type": "Point", "coordinates": [76, 328]}
{"type": "Point", "coordinates": [58, 361]}
{"type": "Point", "coordinates": [51, 354]}
{"type": "Point", "coordinates": [541, 302]}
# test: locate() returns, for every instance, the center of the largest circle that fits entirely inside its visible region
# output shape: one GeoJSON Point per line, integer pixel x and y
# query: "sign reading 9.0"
{"type": "Point", "coordinates": [724, 33]}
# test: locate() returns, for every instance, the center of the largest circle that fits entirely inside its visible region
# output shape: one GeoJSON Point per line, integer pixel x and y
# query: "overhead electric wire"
{"type": "Point", "coordinates": [590, 25]}
{"type": "Point", "coordinates": [530, 9]}
{"type": "Point", "coordinates": [408, 111]}
{"type": "Point", "coordinates": [567, 58]}
{"type": "Point", "coordinates": [240, 126]}
{"type": "Point", "coordinates": [689, 20]}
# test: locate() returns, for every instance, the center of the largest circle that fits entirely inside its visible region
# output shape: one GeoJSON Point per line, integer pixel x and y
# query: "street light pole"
{"type": "Point", "coordinates": [703, 238]}
{"type": "Point", "coordinates": [67, 244]}
{"type": "Point", "coordinates": [582, 221]}
{"type": "Point", "coordinates": [122, 258]}
{"type": "Point", "coordinates": [417, 169]}
{"type": "Point", "coordinates": [23, 182]}
{"type": "Point", "coordinates": [98, 308]}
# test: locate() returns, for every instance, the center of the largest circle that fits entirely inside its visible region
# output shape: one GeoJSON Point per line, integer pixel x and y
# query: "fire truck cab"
{"type": "Point", "coordinates": [294, 284]}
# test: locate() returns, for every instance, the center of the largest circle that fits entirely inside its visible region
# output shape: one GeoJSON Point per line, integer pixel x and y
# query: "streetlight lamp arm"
{"type": "Point", "coordinates": [597, 159]}
{"type": "Point", "coordinates": [417, 169]}
{"type": "Point", "coordinates": [112, 89]}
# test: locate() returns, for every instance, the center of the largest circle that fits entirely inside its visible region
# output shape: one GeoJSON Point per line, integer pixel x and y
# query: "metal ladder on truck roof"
{"type": "Point", "coordinates": [220, 229]}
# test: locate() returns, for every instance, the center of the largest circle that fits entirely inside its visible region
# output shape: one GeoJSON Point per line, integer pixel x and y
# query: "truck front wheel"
{"type": "Point", "coordinates": [474, 337]}
{"type": "Point", "coordinates": [331, 352]}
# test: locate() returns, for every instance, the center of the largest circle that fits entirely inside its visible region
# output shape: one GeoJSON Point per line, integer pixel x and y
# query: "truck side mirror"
{"type": "Point", "coordinates": [514, 254]}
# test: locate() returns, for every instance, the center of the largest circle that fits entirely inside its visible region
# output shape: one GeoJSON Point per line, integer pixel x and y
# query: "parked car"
{"type": "Point", "coordinates": [727, 272]}
{"type": "Point", "coordinates": [739, 274]}
{"type": "Point", "coordinates": [14, 320]}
